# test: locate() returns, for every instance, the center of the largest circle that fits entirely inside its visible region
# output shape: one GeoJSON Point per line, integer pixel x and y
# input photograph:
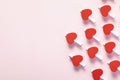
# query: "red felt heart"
{"type": "Point", "coordinates": [86, 13]}
{"type": "Point", "coordinates": [114, 65]}
{"type": "Point", "coordinates": [92, 52]}
{"type": "Point", "coordinates": [76, 60]}
{"type": "Point", "coordinates": [107, 28]}
{"type": "Point", "coordinates": [97, 74]}
{"type": "Point", "coordinates": [70, 37]}
{"type": "Point", "coordinates": [90, 33]}
{"type": "Point", "coordinates": [105, 10]}
{"type": "Point", "coordinates": [109, 47]}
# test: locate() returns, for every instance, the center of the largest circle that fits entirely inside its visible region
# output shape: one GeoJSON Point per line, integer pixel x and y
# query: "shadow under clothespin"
{"type": "Point", "coordinates": [103, 78]}
{"type": "Point", "coordinates": [107, 0]}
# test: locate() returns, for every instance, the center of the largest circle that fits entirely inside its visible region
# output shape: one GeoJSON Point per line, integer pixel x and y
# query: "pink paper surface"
{"type": "Point", "coordinates": [32, 39]}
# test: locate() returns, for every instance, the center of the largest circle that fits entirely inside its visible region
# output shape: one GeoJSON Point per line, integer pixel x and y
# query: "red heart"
{"type": "Point", "coordinates": [107, 28]}
{"type": "Point", "coordinates": [90, 33]}
{"type": "Point", "coordinates": [76, 60]}
{"type": "Point", "coordinates": [109, 47]}
{"type": "Point", "coordinates": [97, 74]}
{"type": "Point", "coordinates": [105, 10]}
{"type": "Point", "coordinates": [70, 37]}
{"type": "Point", "coordinates": [86, 13]}
{"type": "Point", "coordinates": [92, 52]}
{"type": "Point", "coordinates": [114, 65]}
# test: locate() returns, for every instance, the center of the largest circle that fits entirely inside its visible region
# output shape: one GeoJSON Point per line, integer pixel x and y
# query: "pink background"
{"type": "Point", "coordinates": [32, 39]}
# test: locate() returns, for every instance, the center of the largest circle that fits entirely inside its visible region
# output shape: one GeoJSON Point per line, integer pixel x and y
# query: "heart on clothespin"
{"type": "Point", "coordinates": [86, 15]}
{"type": "Point", "coordinates": [109, 47]}
{"type": "Point", "coordinates": [76, 60]}
{"type": "Point", "coordinates": [105, 11]}
{"type": "Point", "coordinates": [114, 65]}
{"type": "Point", "coordinates": [93, 52]}
{"type": "Point", "coordinates": [97, 73]}
{"type": "Point", "coordinates": [72, 37]}
{"type": "Point", "coordinates": [108, 28]}
{"type": "Point", "coordinates": [90, 34]}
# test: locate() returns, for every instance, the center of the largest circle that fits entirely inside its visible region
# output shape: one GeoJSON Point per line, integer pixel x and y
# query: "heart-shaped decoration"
{"type": "Point", "coordinates": [107, 28]}
{"type": "Point", "coordinates": [76, 60]}
{"type": "Point", "coordinates": [105, 10]}
{"type": "Point", "coordinates": [70, 37]}
{"type": "Point", "coordinates": [92, 52]}
{"type": "Point", "coordinates": [114, 65]}
{"type": "Point", "coordinates": [97, 74]}
{"type": "Point", "coordinates": [85, 14]}
{"type": "Point", "coordinates": [109, 47]}
{"type": "Point", "coordinates": [90, 33]}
